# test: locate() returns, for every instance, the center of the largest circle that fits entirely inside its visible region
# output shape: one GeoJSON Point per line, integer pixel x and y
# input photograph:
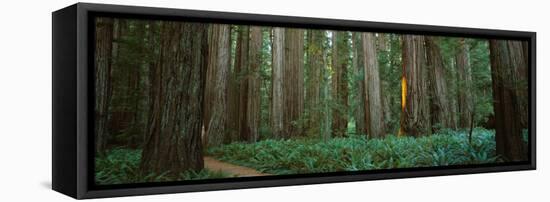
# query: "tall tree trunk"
{"type": "Point", "coordinates": [325, 92]}
{"type": "Point", "coordinates": [293, 82]}
{"type": "Point", "coordinates": [103, 62]}
{"type": "Point", "coordinates": [173, 143]}
{"type": "Point", "coordinates": [506, 68]}
{"type": "Point", "coordinates": [315, 64]}
{"type": "Point", "coordinates": [440, 106]}
{"type": "Point", "coordinates": [209, 86]}
{"type": "Point", "coordinates": [465, 105]}
{"type": "Point", "coordinates": [277, 82]}
{"type": "Point", "coordinates": [415, 106]}
{"type": "Point", "coordinates": [373, 97]}
{"type": "Point", "coordinates": [252, 126]}
{"type": "Point", "coordinates": [340, 56]}
{"type": "Point", "coordinates": [520, 59]}
{"type": "Point", "coordinates": [218, 68]}
{"type": "Point", "coordinates": [238, 89]}
{"type": "Point", "coordinates": [383, 48]}
{"type": "Point", "coordinates": [359, 71]}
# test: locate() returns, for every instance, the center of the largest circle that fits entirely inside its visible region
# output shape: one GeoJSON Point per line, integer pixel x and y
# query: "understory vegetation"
{"type": "Point", "coordinates": [121, 166]}
{"type": "Point", "coordinates": [358, 153]}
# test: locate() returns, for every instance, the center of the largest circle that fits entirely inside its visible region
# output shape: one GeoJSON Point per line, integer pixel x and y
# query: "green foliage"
{"type": "Point", "coordinates": [357, 153]}
{"type": "Point", "coordinates": [478, 54]}
{"type": "Point", "coordinates": [121, 166]}
{"type": "Point", "coordinates": [481, 78]}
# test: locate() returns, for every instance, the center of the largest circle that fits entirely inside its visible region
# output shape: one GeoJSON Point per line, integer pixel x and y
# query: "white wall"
{"type": "Point", "coordinates": [25, 102]}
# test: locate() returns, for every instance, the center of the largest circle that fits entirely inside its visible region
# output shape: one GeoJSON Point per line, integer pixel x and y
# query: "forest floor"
{"type": "Point", "coordinates": [234, 170]}
{"type": "Point", "coordinates": [354, 153]}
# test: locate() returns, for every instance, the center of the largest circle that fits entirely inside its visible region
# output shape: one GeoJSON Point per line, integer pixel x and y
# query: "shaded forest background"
{"type": "Point", "coordinates": [170, 93]}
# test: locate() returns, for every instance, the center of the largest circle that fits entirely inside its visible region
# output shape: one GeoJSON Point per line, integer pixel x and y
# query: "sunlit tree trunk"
{"type": "Point", "coordinates": [440, 105]}
{"type": "Point", "coordinates": [507, 65]}
{"type": "Point", "coordinates": [103, 58]}
{"type": "Point", "coordinates": [373, 97]}
{"type": "Point", "coordinates": [277, 82]}
{"type": "Point", "coordinates": [173, 143]}
{"type": "Point", "coordinates": [415, 106]}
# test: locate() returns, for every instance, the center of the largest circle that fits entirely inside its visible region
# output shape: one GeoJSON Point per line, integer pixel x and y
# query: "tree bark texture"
{"type": "Point", "coordinates": [293, 85]}
{"type": "Point", "coordinates": [252, 126]}
{"type": "Point", "coordinates": [277, 82]}
{"type": "Point", "coordinates": [465, 105]}
{"type": "Point", "coordinates": [359, 81]}
{"type": "Point", "coordinates": [506, 69]}
{"type": "Point", "coordinates": [103, 58]}
{"type": "Point", "coordinates": [218, 70]}
{"type": "Point", "coordinates": [415, 113]}
{"type": "Point", "coordinates": [238, 88]}
{"type": "Point", "coordinates": [374, 113]}
{"type": "Point", "coordinates": [173, 143]}
{"type": "Point", "coordinates": [440, 105]}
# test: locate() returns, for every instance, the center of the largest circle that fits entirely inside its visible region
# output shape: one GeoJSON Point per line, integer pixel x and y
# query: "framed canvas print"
{"type": "Point", "coordinates": [155, 100]}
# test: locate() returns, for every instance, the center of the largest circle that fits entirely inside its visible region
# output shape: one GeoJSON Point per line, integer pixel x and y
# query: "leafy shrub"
{"type": "Point", "coordinates": [354, 153]}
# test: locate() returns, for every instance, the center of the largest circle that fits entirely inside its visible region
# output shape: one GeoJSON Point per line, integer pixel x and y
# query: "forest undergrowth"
{"type": "Point", "coordinates": [356, 153]}
{"type": "Point", "coordinates": [297, 156]}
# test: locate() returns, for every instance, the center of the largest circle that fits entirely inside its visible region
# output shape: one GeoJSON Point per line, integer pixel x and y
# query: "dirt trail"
{"type": "Point", "coordinates": [234, 170]}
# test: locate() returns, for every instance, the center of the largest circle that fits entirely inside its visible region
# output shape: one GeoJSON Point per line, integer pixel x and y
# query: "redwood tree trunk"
{"type": "Point", "coordinates": [384, 44]}
{"type": "Point", "coordinates": [238, 88]}
{"type": "Point", "coordinates": [440, 105]}
{"type": "Point", "coordinates": [465, 105]}
{"type": "Point", "coordinates": [252, 126]}
{"type": "Point", "coordinates": [277, 82]}
{"type": "Point", "coordinates": [359, 71]}
{"type": "Point", "coordinates": [340, 55]}
{"type": "Point", "coordinates": [218, 69]}
{"type": "Point", "coordinates": [508, 85]}
{"type": "Point", "coordinates": [373, 98]}
{"type": "Point", "coordinates": [103, 62]}
{"type": "Point", "coordinates": [415, 106]}
{"type": "Point", "coordinates": [173, 141]}
{"type": "Point", "coordinates": [293, 82]}
{"type": "Point", "coordinates": [315, 64]}
{"type": "Point", "coordinates": [520, 59]}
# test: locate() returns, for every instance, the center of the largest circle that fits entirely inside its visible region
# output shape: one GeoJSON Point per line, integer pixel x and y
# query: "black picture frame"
{"type": "Point", "coordinates": [73, 93]}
